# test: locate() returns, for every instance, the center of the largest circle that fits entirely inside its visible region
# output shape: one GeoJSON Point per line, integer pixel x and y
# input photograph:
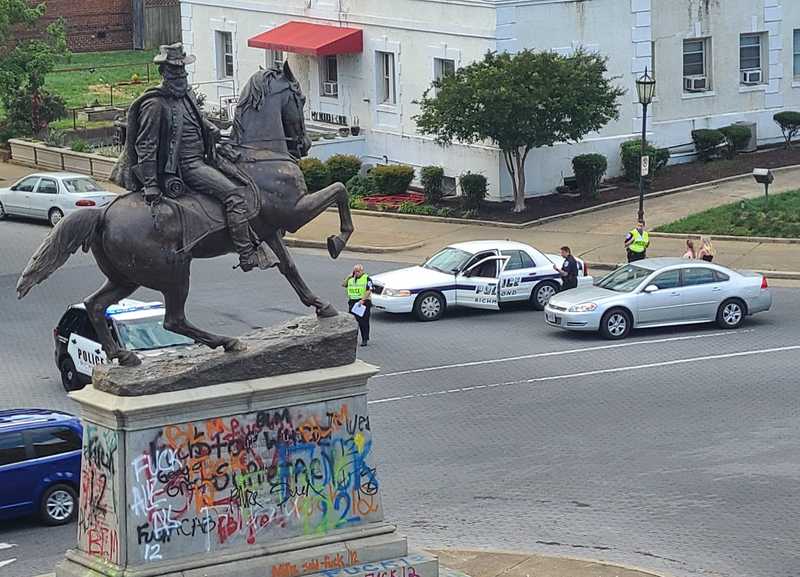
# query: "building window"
{"type": "Point", "coordinates": [387, 93]}
{"type": "Point", "coordinates": [330, 76]}
{"type": "Point", "coordinates": [695, 65]}
{"type": "Point", "coordinates": [276, 59]}
{"type": "Point", "coordinates": [750, 46]}
{"type": "Point", "coordinates": [224, 54]}
{"type": "Point", "coordinates": [443, 67]}
{"type": "Point", "coordinates": [797, 53]}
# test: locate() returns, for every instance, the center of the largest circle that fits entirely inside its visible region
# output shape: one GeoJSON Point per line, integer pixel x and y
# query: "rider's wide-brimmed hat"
{"type": "Point", "coordinates": [173, 54]}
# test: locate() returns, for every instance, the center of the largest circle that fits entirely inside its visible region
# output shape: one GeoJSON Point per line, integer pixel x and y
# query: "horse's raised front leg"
{"type": "Point", "coordinates": [310, 206]}
{"type": "Point", "coordinates": [289, 270]}
{"type": "Point", "coordinates": [96, 306]}
{"type": "Point", "coordinates": [175, 320]}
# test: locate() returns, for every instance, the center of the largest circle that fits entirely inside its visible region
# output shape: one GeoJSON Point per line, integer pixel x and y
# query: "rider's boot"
{"type": "Point", "coordinates": [239, 231]}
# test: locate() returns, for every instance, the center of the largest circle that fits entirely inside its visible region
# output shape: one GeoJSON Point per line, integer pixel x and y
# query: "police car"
{"type": "Point", "coordinates": [479, 274]}
{"type": "Point", "coordinates": [135, 325]}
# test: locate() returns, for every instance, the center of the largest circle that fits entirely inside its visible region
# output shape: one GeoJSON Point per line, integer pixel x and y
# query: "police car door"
{"type": "Point", "coordinates": [85, 354]}
{"type": "Point", "coordinates": [478, 286]}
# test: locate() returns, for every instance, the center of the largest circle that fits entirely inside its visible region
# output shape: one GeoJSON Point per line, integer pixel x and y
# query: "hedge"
{"type": "Point", "coordinates": [589, 170]}
{"type": "Point", "coordinates": [315, 173]}
{"type": "Point", "coordinates": [631, 151]}
{"type": "Point", "coordinates": [392, 178]}
{"type": "Point", "coordinates": [737, 134]}
{"type": "Point", "coordinates": [707, 142]}
{"type": "Point", "coordinates": [432, 178]}
{"type": "Point", "coordinates": [789, 121]}
{"type": "Point", "coordinates": [360, 186]}
{"type": "Point", "coordinates": [474, 188]}
{"type": "Point", "coordinates": [343, 167]}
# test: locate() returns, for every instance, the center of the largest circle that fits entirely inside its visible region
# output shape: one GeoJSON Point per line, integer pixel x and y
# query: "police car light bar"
{"type": "Point", "coordinates": [116, 309]}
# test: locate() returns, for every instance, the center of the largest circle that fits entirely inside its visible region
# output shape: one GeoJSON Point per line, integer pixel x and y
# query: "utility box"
{"type": "Point", "coordinates": [752, 144]}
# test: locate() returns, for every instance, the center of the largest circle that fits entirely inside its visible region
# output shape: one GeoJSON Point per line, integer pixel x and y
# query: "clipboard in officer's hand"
{"type": "Point", "coordinates": [359, 309]}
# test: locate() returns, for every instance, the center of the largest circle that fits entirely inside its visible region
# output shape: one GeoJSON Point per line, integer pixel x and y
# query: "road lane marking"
{"type": "Point", "coordinates": [559, 353]}
{"type": "Point", "coordinates": [7, 545]}
{"type": "Point", "coordinates": [588, 373]}
{"type": "Point", "coordinates": [7, 562]}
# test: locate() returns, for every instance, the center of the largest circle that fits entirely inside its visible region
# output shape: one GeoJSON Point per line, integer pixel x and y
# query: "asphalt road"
{"type": "Point", "coordinates": [677, 450]}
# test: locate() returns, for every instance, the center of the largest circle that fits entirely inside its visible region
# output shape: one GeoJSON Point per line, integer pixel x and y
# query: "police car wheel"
{"type": "Point", "coordinates": [3, 214]}
{"type": "Point", "coordinates": [541, 295]}
{"type": "Point", "coordinates": [58, 505]}
{"type": "Point", "coordinates": [429, 306]}
{"type": "Point", "coordinates": [69, 375]}
{"type": "Point", "coordinates": [616, 324]}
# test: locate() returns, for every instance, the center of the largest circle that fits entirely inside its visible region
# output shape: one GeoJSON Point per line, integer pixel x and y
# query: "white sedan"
{"type": "Point", "coordinates": [481, 274]}
{"type": "Point", "coordinates": [52, 195]}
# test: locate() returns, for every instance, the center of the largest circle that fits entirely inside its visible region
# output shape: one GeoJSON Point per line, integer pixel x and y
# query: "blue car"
{"type": "Point", "coordinates": [40, 464]}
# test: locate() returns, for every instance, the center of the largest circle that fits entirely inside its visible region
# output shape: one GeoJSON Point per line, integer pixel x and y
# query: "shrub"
{"type": "Point", "coordinates": [360, 186]}
{"type": "Point", "coordinates": [392, 178]}
{"type": "Point", "coordinates": [424, 209]}
{"type": "Point", "coordinates": [432, 178]}
{"type": "Point", "coordinates": [589, 170]}
{"type": "Point", "coordinates": [789, 121]}
{"type": "Point", "coordinates": [315, 174]}
{"type": "Point", "coordinates": [343, 167]}
{"type": "Point", "coordinates": [474, 188]}
{"type": "Point", "coordinates": [707, 142]}
{"type": "Point", "coordinates": [20, 112]}
{"type": "Point", "coordinates": [631, 158]}
{"type": "Point", "coordinates": [737, 134]}
{"type": "Point", "coordinates": [357, 203]}
{"type": "Point", "coordinates": [79, 145]}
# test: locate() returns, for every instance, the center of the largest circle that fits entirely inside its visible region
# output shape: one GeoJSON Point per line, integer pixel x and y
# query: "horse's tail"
{"type": "Point", "coordinates": [76, 230]}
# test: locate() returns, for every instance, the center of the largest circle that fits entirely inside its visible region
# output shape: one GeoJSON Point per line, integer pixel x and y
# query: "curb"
{"type": "Point", "coordinates": [304, 243]}
{"type": "Point", "coordinates": [528, 555]}
{"type": "Point", "coordinates": [546, 219]}
{"type": "Point", "coordinates": [755, 239]}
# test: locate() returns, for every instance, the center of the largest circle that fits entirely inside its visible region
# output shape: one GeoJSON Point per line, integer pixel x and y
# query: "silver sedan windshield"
{"type": "Point", "coordinates": [624, 279]}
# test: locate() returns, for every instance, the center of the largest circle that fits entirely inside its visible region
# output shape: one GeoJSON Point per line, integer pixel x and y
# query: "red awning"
{"type": "Point", "coordinates": [310, 39]}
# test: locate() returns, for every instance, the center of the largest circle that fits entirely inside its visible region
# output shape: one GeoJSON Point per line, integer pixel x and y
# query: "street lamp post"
{"type": "Point", "coordinates": [645, 89]}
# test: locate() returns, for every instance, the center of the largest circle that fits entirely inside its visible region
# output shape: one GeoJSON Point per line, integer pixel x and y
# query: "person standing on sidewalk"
{"type": "Point", "coordinates": [359, 303]}
{"type": "Point", "coordinates": [637, 242]}
{"type": "Point", "coordinates": [707, 251]}
{"type": "Point", "coordinates": [568, 270]}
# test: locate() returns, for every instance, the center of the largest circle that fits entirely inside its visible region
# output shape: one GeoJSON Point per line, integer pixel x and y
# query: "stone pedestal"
{"type": "Point", "coordinates": [266, 477]}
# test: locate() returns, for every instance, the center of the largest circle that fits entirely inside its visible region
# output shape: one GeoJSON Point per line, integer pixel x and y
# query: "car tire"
{"type": "Point", "coordinates": [3, 213]}
{"type": "Point", "coordinates": [542, 293]}
{"type": "Point", "coordinates": [70, 378]}
{"type": "Point", "coordinates": [730, 314]}
{"type": "Point", "coordinates": [54, 216]}
{"type": "Point", "coordinates": [429, 306]}
{"type": "Point", "coordinates": [616, 324]}
{"type": "Point", "coordinates": [59, 505]}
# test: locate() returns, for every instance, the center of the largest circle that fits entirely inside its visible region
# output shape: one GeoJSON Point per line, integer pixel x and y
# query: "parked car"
{"type": "Point", "coordinates": [135, 325]}
{"type": "Point", "coordinates": [40, 464]}
{"type": "Point", "coordinates": [481, 274]}
{"type": "Point", "coordinates": [660, 292]}
{"type": "Point", "coordinates": [52, 195]}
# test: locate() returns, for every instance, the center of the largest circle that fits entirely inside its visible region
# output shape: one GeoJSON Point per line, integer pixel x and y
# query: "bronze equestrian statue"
{"type": "Point", "coordinates": [147, 238]}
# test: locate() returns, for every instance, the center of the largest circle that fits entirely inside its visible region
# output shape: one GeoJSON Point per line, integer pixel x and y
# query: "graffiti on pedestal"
{"type": "Point", "coordinates": [98, 520]}
{"type": "Point", "coordinates": [252, 478]}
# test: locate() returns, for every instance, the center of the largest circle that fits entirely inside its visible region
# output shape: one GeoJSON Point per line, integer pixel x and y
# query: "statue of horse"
{"type": "Point", "coordinates": [139, 245]}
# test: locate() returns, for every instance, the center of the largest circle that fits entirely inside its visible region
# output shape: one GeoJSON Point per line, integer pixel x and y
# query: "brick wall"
{"type": "Point", "coordinates": [95, 24]}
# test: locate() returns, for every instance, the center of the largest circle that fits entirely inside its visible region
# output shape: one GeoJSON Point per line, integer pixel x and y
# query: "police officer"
{"type": "Point", "coordinates": [568, 270]}
{"type": "Point", "coordinates": [636, 243]}
{"type": "Point", "coordinates": [359, 291]}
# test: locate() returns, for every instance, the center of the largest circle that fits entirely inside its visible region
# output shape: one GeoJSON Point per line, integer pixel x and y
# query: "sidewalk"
{"type": "Point", "coordinates": [597, 236]}
{"type": "Point", "coordinates": [456, 563]}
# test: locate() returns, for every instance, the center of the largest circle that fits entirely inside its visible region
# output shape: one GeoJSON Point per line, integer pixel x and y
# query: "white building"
{"type": "Point", "coordinates": [716, 62]}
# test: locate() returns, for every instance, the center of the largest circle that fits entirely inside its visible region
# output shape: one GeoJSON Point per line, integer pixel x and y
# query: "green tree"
{"type": "Point", "coordinates": [520, 102]}
{"type": "Point", "coordinates": [24, 65]}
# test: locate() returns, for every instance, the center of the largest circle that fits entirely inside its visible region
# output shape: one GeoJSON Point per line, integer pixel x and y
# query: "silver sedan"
{"type": "Point", "coordinates": [52, 195]}
{"type": "Point", "coordinates": [660, 292]}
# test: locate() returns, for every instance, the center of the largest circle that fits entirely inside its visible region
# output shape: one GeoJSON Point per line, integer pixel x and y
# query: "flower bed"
{"type": "Point", "coordinates": [393, 201]}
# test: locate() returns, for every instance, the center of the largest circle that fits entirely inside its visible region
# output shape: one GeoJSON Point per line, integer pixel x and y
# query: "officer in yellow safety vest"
{"type": "Point", "coordinates": [637, 242]}
{"type": "Point", "coordinates": [359, 303]}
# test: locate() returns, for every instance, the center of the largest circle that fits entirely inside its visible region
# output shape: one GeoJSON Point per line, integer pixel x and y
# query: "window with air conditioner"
{"type": "Point", "coordinates": [751, 70]}
{"type": "Point", "coordinates": [387, 92]}
{"type": "Point", "coordinates": [696, 77]}
{"type": "Point", "coordinates": [330, 77]}
{"type": "Point", "coordinates": [224, 54]}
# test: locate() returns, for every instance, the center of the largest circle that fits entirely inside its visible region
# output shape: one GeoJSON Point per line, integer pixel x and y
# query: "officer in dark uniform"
{"type": "Point", "coordinates": [568, 270]}
{"type": "Point", "coordinates": [171, 145]}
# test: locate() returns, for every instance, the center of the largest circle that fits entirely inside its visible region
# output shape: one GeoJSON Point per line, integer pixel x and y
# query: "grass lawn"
{"type": "Point", "coordinates": [746, 218]}
{"type": "Point", "coordinates": [84, 88]}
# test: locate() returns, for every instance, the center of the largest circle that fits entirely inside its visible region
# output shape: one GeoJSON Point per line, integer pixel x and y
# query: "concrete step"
{"type": "Point", "coordinates": [415, 564]}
